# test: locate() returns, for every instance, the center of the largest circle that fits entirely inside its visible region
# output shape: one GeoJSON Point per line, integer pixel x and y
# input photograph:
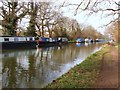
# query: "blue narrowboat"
{"type": "Point", "coordinates": [79, 40]}
{"type": "Point", "coordinates": [51, 41]}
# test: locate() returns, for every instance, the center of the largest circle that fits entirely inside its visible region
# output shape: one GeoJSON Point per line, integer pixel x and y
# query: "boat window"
{"type": "Point", "coordinates": [26, 39]}
{"type": "Point", "coordinates": [6, 39]}
{"type": "Point", "coordinates": [15, 39]}
{"type": "Point", "coordinates": [30, 39]}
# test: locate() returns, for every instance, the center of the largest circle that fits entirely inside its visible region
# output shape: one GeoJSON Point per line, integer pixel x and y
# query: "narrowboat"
{"type": "Point", "coordinates": [42, 41]}
{"type": "Point", "coordinates": [18, 42]}
{"type": "Point", "coordinates": [9, 42]}
{"type": "Point", "coordinates": [79, 40]}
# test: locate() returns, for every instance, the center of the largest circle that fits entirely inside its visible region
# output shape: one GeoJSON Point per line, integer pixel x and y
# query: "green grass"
{"type": "Point", "coordinates": [72, 41]}
{"type": "Point", "coordinates": [118, 47]}
{"type": "Point", "coordinates": [83, 75]}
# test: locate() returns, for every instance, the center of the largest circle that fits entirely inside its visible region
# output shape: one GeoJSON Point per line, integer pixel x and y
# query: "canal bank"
{"type": "Point", "coordinates": [87, 73]}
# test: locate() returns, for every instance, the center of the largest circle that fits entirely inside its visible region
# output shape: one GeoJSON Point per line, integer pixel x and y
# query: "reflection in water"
{"type": "Point", "coordinates": [0, 71]}
{"type": "Point", "coordinates": [78, 44]}
{"type": "Point", "coordinates": [36, 68]}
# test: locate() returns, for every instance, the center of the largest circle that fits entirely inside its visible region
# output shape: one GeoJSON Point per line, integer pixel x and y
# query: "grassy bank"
{"type": "Point", "coordinates": [118, 47]}
{"type": "Point", "coordinates": [72, 41]}
{"type": "Point", "coordinates": [83, 75]}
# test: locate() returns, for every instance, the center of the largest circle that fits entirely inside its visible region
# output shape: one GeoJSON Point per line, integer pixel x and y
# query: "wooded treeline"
{"type": "Point", "coordinates": [45, 20]}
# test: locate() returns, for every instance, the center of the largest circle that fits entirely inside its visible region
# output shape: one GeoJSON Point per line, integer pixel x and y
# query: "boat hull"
{"type": "Point", "coordinates": [50, 44]}
{"type": "Point", "coordinates": [18, 45]}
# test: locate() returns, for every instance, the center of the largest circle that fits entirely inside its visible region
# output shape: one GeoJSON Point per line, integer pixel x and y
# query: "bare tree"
{"type": "Point", "coordinates": [47, 18]}
{"type": "Point", "coordinates": [90, 32]}
{"type": "Point", "coordinates": [11, 12]}
{"type": "Point", "coordinates": [113, 31]}
{"type": "Point", "coordinates": [68, 28]}
{"type": "Point", "coordinates": [33, 10]}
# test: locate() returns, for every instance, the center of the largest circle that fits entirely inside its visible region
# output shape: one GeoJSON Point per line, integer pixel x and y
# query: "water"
{"type": "Point", "coordinates": [35, 68]}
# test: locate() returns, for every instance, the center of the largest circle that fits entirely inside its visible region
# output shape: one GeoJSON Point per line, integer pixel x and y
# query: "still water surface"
{"type": "Point", "coordinates": [35, 68]}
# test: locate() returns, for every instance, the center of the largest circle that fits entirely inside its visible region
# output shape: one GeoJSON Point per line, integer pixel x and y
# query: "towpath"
{"type": "Point", "coordinates": [108, 77]}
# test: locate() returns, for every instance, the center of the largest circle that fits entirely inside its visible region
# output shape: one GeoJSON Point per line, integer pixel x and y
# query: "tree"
{"type": "Point", "coordinates": [76, 30]}
{"type": "Point", "coordinates": [11, 12]}
{"type": "Point", "coordinates": [90, 32]}
{"type": "Point", "coordinates": [113, 31]}
{"type": "Point", "coordinates": [47, 18]}
{"type": "Point", "coordinates": [68, 28]}
{"type": "Point", "coordinates": [33, 10]}
{"type": "Point", "coordinates": [60, 27]}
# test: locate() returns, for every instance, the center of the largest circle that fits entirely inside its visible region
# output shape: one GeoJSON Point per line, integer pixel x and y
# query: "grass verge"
{"type": "Point", "coordinates": [83, 75]}
{"type": "Point", "coordinates": [118, 47]}
{"type": "Point", "coordinates": [72, 41]}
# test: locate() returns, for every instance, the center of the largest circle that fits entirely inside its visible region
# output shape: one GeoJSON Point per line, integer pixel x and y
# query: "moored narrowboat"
{"type": "Point", "coordinates": [51, 41]}
{"type": "Point", "coordinates": [9, 42]}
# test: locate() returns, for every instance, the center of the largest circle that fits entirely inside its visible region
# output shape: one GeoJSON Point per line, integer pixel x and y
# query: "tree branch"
{"type": "Point", "coordinates": [114, 10]}
{"type": "Point", "coordinates": [109, 23]}
{"type": "Point", "coordinates": [117, 3]}
{"type": "Point", "coordinates": [78, 7]}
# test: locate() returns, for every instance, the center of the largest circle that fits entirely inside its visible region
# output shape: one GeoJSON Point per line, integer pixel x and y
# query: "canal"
{"type": "Point", "coordinates": [35, 68]}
